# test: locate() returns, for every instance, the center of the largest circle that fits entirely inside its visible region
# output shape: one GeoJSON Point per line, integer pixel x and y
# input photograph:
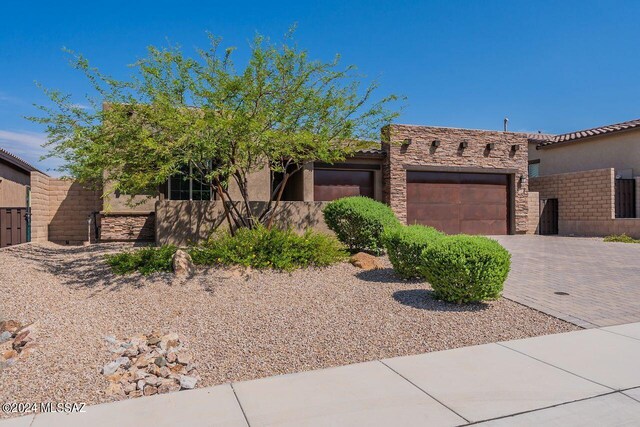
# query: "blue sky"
{"type": "Point", "coordinates": [547, 65]}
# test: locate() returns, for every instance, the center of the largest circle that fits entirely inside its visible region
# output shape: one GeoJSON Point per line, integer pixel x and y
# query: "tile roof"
{"type": "Point", "coordinates": [16, 161]}
{"type": "Point", "coordinates": [545, 140]}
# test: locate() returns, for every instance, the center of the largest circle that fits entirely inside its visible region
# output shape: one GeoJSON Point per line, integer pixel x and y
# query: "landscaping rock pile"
{"type": "Point", "coordinates": [16, 341]}
{"type": "Point", "coordinates": [144, 365]}
{"type": "Point", "coordinates": [366, 262]}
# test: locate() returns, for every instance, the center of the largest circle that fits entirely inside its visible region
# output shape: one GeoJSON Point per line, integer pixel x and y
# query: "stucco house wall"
{"type": "Point", "coordinates": [619, 150]}
{"type": "Point", "coordinates": [13, 186]}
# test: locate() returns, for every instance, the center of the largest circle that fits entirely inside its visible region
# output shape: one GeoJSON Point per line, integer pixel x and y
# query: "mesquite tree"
{"type": "Point", "coordinates": [200, 114]}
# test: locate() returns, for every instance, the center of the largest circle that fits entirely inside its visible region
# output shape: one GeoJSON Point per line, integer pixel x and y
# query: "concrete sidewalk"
{"type": "Point", "coordinates": [589, 377]}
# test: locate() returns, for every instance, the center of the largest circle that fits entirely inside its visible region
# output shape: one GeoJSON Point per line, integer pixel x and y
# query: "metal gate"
{"type": "Point", "coordinates": [14, 226]}
{"type": "Point", "coordinates": [625, 198]}
{"type": "Point", "coordinates": [548, 217]}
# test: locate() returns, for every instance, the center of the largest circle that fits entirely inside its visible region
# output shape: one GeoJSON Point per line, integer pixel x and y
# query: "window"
{"type": "Point", "coordinates": [181, 187]}
{"type": "Point", "coordinates": [534, 168]}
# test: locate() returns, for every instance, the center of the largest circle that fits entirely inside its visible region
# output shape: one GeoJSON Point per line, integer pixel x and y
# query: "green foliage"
{"type": "Point", "coordinates": [622, 238]}
{"type": "Point", "coordinates": [404, 246]}
{"type": "Point", "coordinates": [270, 248]}
{"type": "Point", "coordinates": [465, 269]}
{"type": "Point", "coordinates": [144, 261]}
{"type": "Point", "coordinates": [359, 222]}
{"type": "Point", "coordinates": [282, 110]}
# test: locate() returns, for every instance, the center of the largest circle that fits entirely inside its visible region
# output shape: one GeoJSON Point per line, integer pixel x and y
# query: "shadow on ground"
{"type": "Point", "coordinates": [424, 299]}
{"type": "Point", "coordinates": [84, 266]}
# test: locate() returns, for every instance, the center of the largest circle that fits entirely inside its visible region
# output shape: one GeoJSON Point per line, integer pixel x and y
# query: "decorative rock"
{"type": "Point", "coordinates": [149, 364]}
{"type": "Point", "coordinates": [123, 361]}
{"type": "Point", "coordinates": [115, 389]}
{"type": "Point", "coordinates": [111, 339]}
{"type": "Point", "coordinates": [165, 372]}
{"type": "Point", "coordinates": [5, 336]}
{"type": "Point", "coordinates": [366, 262]}
{"type": "Point", "coordinates": [129, 388]}
{"type": "Point", "coordinates": [9, 354]}
{"type": "Point", "coordinates": [184, 358]}
{"type": "Point", "coordinates": [182, 263]}
{"type": "Point", "coordinates": [150, 390]}
{"type": "Point", "coordinates": [188, 382]}
{"type": "Point", "coordinates": [110, 368]}
{"type": "Point", "coordinates": [10, 326]}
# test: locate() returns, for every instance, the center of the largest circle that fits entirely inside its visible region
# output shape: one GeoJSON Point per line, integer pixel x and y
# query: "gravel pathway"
{"type": "Point", "coordinates": [238, 327]}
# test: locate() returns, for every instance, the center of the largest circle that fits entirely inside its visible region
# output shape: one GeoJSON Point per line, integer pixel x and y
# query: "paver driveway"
{"type": "Point", "coordinates": [602, 279]}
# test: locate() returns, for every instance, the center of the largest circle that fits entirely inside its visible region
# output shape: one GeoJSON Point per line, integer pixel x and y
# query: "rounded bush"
{"type": "Point", "coordinates": [465, 269]}
{"type": "Point", "coordinates": [359, 222]}
{"type": "Point", "coordinates": [404, 246]}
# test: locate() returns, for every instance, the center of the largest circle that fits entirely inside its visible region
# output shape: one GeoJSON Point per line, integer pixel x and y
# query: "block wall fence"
{"type": "Point", "coordinates": [586, 203]}
{"type": "Point", "coordinates": [60, 210]}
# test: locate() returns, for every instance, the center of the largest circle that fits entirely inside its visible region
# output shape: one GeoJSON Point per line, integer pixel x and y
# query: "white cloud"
{"type": "Point", "coordinates": [28, 146]}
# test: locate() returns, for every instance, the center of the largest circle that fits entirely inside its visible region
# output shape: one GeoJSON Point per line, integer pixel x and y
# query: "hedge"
{"type": "Point", "coordinates": [359, 222]}
{"type": "Point", "coordinates": [464, 269]}
{"type": "Point", "coordinates": [270, 248]}
{"type": "Point", "coordinates": [404, 246]}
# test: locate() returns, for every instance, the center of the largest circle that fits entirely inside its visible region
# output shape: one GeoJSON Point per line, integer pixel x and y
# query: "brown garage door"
{"type": "Point", "coordinates": [331, 184]}
{"type": "Point", "coordinates": [471, 203]}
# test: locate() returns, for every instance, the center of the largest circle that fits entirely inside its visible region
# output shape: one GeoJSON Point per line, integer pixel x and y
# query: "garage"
{"type": "Point", "coordinates": [331, 184]}
{"type": "Point", "coordinates": [454, 202]}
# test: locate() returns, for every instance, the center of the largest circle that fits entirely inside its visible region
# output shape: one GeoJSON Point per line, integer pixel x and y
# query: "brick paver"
{"type": "Point", "coordinates": [602, 279]}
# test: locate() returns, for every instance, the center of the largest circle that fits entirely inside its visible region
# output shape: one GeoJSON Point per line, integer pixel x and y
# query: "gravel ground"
{"type": "Point", "coordinates": [238, 327]}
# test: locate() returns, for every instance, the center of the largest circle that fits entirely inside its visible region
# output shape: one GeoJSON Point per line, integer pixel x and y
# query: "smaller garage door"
{"type": "Point", "coordinates": [331, 184]}
{"type": "Point", "coordinates": [470, 203]}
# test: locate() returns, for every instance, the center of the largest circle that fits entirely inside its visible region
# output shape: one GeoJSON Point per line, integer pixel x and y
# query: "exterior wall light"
{"type": "Point", "coordinates": [491, 146]}
{"type": "Point", "coordinates": [406, 141]}
{"type": "Point", "coordinates": [463, 145]}
{"type": "Point", "coordinates": [515, 147]}
{"type": "Point", "coordinates": [521, 179]}
{"type": "Point", "coordinates": [435, 143]}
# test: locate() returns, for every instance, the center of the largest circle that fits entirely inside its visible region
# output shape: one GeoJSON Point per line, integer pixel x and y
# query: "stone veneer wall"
{"type": "Point", "coordinates": [419, 154]}
{"type": "Point", "coordinates": [127, 226]}
{"type": "Point", "coordinates": [60, 209]}
{"type": "Point", "coordinates": [534, 212]}
{"type": "Point", "coordinates": [586, 203]}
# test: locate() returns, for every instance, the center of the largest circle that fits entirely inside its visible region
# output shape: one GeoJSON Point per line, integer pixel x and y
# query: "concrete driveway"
{"type": "Point", "coordinates": [581, 280]}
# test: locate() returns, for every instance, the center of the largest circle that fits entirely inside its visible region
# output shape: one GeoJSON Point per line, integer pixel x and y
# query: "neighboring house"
{"type": "Point", "coordinates": [588, 180]}
{"type": "Point", "coordinates": [15, 179]}
{"type": "Point", "coordinates": [457, 180]}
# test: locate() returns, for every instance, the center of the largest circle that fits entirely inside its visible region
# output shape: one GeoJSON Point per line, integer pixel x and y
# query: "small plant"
{"type": "Point", "coordinates": [464, 269]}
{"type": "Point", "coordinates": [622, 238]}
{"type": "Point", "coordinates": [405, 245]}
{"type": "Point", "coordinates": [144, 261]}
{"type": "Point", "coordinates": [270, 248]}
{"type": "Point", "coordinates": [359, 222]}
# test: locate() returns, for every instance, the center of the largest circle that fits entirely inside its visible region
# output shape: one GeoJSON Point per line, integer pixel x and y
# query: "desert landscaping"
{"type": "Point", "coordinates": [236, 324]}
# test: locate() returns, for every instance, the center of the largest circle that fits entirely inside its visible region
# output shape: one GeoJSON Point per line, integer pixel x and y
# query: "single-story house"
{"type": "Point", "coordinates": [15, 179]}
{"type": "Point", "coordinates": [457, 180]}
{"type": "Point", "coordinates": [588, 180]}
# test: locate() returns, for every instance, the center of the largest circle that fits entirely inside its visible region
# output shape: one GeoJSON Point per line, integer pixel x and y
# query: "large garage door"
{"type": "Point", "coordinates": [470, 203]}
{"type": "Point", "coordinates": [331, 184]}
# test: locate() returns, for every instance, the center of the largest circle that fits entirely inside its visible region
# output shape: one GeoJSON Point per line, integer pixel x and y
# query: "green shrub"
{"type": "Point", "coordinates": [359, 222]}
{"type": "Point", "coordinates": [144, 261]}
{"type": "Point", "coordinates": [264, 248]}
{"type": "Point", "coordinates": [622, 238]}
{"type": "Point", "coordinates": [405, 245]}
{"type": "Point", "coordinates": [465, 269]}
